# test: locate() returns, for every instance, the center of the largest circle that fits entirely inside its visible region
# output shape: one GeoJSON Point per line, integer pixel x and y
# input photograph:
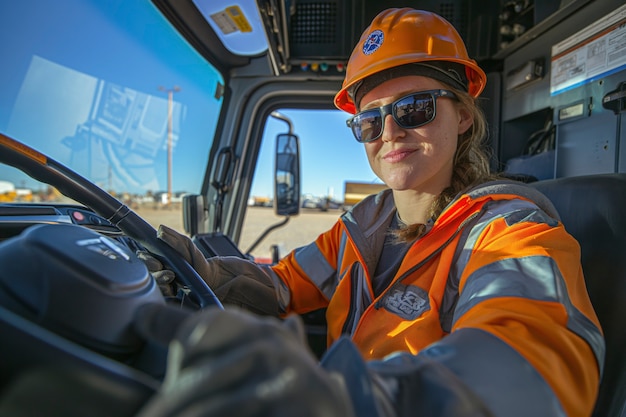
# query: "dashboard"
{"type": "Point", "coordinates": [15, 217]}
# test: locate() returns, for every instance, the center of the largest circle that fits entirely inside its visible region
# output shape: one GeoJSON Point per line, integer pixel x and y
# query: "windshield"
{"type": "Point", "coordinates": [113, 91]}
{"type": "Point", "coordinates": [109, 89]}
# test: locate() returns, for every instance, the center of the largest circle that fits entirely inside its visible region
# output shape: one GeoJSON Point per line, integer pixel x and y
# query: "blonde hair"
{"type": "Point", "coordinates": [471, 167]}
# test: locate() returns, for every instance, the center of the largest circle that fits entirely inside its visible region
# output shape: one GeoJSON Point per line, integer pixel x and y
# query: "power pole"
{"type": "Point", "coordinates": [170, 100]}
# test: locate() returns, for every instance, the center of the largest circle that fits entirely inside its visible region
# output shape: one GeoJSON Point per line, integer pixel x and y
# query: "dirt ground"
{"type": "Point", "coordinates": [299, 230]}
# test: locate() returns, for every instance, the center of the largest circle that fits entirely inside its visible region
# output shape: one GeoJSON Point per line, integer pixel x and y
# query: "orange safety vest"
{"type": "Point", "coordinates": [493, 261]}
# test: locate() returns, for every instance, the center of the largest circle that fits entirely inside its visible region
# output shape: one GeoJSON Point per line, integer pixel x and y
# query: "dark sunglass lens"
{"type": "Point", "coordinates": [367, 126]}
{"type": "Point", "coordinates": [415, 110]}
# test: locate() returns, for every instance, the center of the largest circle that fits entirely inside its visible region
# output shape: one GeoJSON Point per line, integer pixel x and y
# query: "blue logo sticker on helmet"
{"type": "Point", "coordinates": [373, 42]}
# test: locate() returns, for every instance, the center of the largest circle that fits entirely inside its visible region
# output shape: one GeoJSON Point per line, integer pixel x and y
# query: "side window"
{"type": "Point", "coordinates": [329, 157]}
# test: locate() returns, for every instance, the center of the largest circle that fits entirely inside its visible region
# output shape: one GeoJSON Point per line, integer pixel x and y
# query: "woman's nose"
{"type": "Point", "coordinates": [391, 130]}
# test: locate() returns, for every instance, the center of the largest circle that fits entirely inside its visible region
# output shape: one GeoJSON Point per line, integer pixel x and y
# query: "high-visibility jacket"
{"type": "Point", "coordinates": [494, 290]}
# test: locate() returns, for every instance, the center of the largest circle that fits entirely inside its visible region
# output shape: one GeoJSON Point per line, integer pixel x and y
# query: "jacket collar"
{"type": "Point", "coordinates": [367, 221]}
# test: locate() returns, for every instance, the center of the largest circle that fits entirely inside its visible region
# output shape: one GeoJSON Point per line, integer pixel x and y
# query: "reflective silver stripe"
{"type": "Point", "coordinates": [514, 211]}
{"type": "Point", "coordinates": [494, 371]}
{"type": "Point", "coordinates": [539, 276]}
{"type": "Point", "coordinates": [359, 298]}
{"type": "Point", "coordinates": [531, 277]}
{"type": "Point", "coordinates": [451, 291]}
{"type": "Point", "coordinates": [343, 241]}
{"type": "Point", "coordinates": [515, 188]}
{"type": "Point", "coordinates": [319, 271]}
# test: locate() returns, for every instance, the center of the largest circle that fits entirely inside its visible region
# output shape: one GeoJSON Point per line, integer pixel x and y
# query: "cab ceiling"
{"type": "Point", "coordinates": [305, 31]}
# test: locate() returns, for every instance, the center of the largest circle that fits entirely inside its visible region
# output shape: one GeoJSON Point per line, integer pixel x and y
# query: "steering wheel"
{"type": "Point", "coordinates": [78, 188]}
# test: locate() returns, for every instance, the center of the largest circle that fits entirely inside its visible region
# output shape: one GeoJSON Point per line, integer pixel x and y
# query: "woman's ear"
{"type": "Point", "coordinates": [465, 119]}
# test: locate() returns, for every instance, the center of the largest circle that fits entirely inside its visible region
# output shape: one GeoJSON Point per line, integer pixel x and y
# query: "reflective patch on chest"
{"type": "Point", "coordinates": [408, 302]}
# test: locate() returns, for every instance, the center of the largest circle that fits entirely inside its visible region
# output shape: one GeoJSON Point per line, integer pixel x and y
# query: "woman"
{"type": "Point", "coordinates": [464, 294]}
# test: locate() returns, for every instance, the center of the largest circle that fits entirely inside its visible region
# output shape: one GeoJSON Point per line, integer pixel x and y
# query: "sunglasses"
{"type": "Point", "coordinates": [414, 110]}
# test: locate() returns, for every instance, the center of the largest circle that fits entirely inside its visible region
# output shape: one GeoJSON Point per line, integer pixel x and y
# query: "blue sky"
{"type": "Point", "coordinates": [115, 55]}
{"type": "Point", "coordinates": [329, 153]}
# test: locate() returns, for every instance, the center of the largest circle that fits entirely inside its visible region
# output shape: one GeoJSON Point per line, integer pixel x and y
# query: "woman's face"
{"type": "Point", "coordinates": [419, 159]}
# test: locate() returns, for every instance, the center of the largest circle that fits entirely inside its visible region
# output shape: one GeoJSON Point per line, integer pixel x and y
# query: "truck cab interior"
{"type": "Point", "coordinates": [553, 123]}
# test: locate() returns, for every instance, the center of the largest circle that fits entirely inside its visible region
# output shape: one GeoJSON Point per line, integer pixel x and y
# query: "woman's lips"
{"type": "Point", "coordinates": [397, 155]}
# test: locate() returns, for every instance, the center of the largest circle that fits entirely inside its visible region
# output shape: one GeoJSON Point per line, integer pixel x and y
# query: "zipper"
{"type": "Point", "coordinates": [377, 304]}
{"type": "Point", "coordinates": [352, 312]}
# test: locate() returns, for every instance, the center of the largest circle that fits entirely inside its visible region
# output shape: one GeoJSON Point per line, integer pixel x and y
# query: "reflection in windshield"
{"type": "Point", "coordinates": [95, 96]}
{"type": "Point", "coordinates": [118, 131]}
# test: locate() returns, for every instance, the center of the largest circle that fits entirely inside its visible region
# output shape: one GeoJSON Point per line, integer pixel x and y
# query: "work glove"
{"type": "Point", "coordinates": [232, 363]}
{"type": "Point", "coordinates": [234, 280]}
{"type": "Point", "coordinates": [163, 277]}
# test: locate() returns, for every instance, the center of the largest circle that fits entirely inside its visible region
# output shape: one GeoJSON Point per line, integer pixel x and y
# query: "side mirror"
{"type": "Point", "coordinates": [287, 175]}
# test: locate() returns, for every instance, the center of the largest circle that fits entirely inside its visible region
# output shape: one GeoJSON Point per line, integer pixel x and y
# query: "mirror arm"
{"type": "Point", "coordinates": [265, 233]}
{"type": "Point", "coordinates": [221, 182]}
{"type": "Point", "coordinates": [279, 116]}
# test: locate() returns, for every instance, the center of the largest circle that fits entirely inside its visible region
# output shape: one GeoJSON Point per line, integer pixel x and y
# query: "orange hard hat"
{"type": "Point", "coordinates": [404, 36]}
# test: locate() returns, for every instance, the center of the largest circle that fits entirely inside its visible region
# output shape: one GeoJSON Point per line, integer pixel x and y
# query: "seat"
{"type": "Point", "coordinates": [593, 210]}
